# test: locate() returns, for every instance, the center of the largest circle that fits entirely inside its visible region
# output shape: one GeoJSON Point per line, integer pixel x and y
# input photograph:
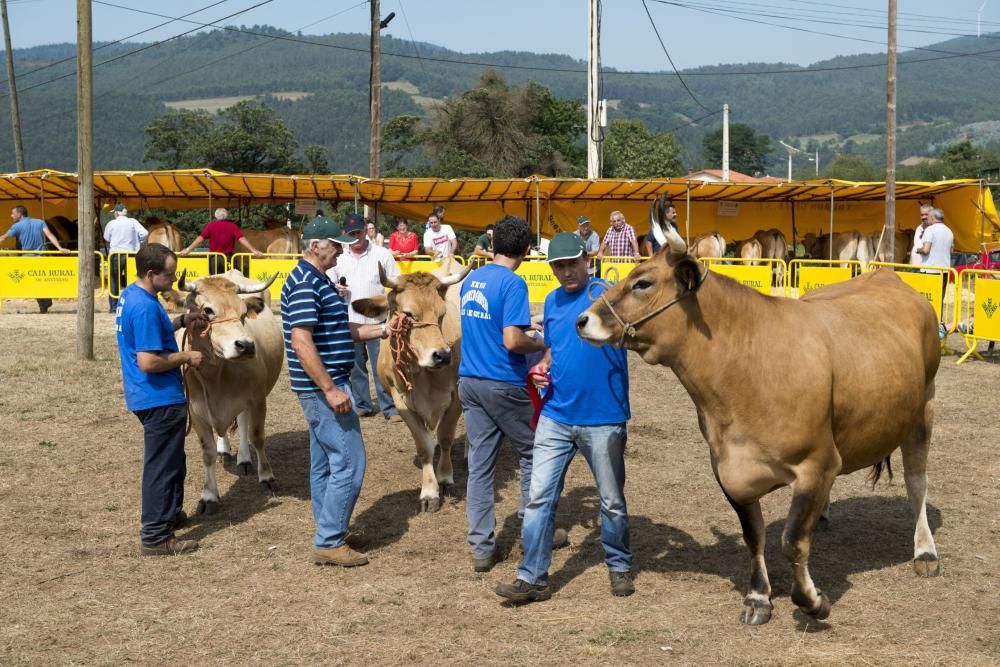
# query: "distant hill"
{"type": "Point", "coordinates": [321, 90]}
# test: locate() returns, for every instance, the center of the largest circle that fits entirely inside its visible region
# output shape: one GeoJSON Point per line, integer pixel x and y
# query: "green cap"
{"type": "Point", "coordinates": [583, 220]}
{"type": "Point", "coordinates": [324, 228]}
{"type": "Point", "coordinates": [565, 245]}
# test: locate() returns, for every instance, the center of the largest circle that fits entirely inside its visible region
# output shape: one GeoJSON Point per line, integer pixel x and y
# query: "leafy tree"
{"type": "Point", "coordinates": [748, 151]}
{"type": "Point", "coordinates": [174, 140]}
{"type": "Point", "coordinates": [850, 167]}
{"type": "Point", "coordinates": [632, 151]}
{"type": "Point", "coordinates": [251, 138]}
{"type": "Point", "coordinates": [316, 162]}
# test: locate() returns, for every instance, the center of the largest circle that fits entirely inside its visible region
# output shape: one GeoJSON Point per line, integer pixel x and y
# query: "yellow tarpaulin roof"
{"type": "Point", "coordinates": [736, 210]}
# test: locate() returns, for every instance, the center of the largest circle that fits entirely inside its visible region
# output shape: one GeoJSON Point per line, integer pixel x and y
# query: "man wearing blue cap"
{"type": "Point", "coordinates": [586, 409]}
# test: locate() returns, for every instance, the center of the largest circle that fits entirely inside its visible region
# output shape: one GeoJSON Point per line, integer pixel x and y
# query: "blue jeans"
{"type": "Point", "coordinates": [163, 470]}
{"type": "Point", "coordinates": [337, 467]}
{"type": "Point", "coordinates": [363, 352]}
{"type": "Point", "coordinates": [555, 445]}
{"type": "Point", "coordinates": [493, 410]}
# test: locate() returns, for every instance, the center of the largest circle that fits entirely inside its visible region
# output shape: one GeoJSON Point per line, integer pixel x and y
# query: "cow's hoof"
{"type": "Point", "coordinates": [430, 505]}
{"type": "Point", "coordinates": [446, 489]}
{"type": "Point", "coordinates": [752, 615]}
{"type": "Point", "coordinates": [227, 458]}
{"type": "Point", "coordinates": [927, 565]}
{"type": "Point", "coordinates": [207, 507]}
{"type": "Point", "coordinates": [823, 610]}
{"type": "Point", "coordinates": [268, 484]}
{"type": "Point", "coordinates": [245, 468]}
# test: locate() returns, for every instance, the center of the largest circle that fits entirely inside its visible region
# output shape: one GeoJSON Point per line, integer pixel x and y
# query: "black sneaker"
{"type": "Point", "coordinates": [522, 591]}
{"type": "Point", "coordinates": [621, 584]}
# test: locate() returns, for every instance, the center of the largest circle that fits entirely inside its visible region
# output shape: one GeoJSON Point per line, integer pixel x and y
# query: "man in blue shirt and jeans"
{"type": "Point", "coordinates": [31, 234]}
{"type": "Point", "coordinates": [154, 391]}
{"type": "Point", "coordinates": [586, 409]}
{"type": "Point", "coordinates": [319, 342]}
{"type": "Point", "coordinates": [495, 313]}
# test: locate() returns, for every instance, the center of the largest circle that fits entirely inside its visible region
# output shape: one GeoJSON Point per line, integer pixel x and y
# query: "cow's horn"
{"type": "Point", "coordinates": [663, 231]}
{"type": "Point", "coordinates": [384, 279]}
{"type": "Point", "coordinates": [453, 278]}
{"type": "Point", "coordinates": [184, 285]}
{"type": "Point", "coordinates": [253, 289]}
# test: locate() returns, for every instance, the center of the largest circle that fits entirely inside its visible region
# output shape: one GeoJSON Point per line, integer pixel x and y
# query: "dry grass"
{"type": "Point", "coordinates": [73, 589]}
{"type": "Point", "coordinates": [213, 104]}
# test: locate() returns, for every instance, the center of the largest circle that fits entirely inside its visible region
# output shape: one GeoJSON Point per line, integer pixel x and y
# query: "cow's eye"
{"type": "Point", "coordinates": [209, 313]}
{"type": "Point", "coordinates": [641, 284]}
{"type": "Point", "coordinates": [408, 314]}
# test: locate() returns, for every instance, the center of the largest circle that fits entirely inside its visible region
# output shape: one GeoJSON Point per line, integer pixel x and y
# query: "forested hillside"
{"type": "Point", "coordinates": [941, 100]}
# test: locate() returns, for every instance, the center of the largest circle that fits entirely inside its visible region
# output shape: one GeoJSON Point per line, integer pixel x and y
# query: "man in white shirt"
{"type": "Point", "coordinates": [925, 220]}
{"type": "Point", "coordinates": [356, 277]}
{"type": "Point", "coordinates": [439, 239]}
{"type": "Point", "coordinates": [935, 247]}
{"type": "Point", "coordinates": [123, 235]}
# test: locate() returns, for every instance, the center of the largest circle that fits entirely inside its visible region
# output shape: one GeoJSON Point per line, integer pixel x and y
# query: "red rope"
{"type": "Point", "coordinates": [400, 325]}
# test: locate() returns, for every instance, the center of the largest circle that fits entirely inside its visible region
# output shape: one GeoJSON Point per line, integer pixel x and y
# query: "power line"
{"type": "Point", "coordinates": [413, 41]}
{"type": "Point", "coordinates": [671, 60]}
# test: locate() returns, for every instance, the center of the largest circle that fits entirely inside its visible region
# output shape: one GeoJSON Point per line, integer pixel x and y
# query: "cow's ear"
{"type": "Point", "coordinates": [687, 275]}
{"type": "Point", "coordinates": [376, 307]}
{"type": "Point", "coordinates": [254, 304]}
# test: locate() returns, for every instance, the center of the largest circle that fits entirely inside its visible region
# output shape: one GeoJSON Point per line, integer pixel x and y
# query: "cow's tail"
{"type": "Point", "coordinates": [876, 471]}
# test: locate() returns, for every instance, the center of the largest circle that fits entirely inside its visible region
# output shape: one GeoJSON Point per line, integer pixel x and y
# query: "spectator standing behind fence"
{"type": "Point", "coordinates": [30, 234]}
{"type": "Point", "coordinates": [222, 234]}
{"type": "Point", "coordinates": [439, 239]}
{"type": "Point", "coordinates": [620, 242]}
{"type": "Point", "coordinates": [356, 277]}
{"type": "Point", "coordinates": [318, 345]}
{"type": "Point", "coordinates": [586, 409]}
{"type": "Point", "coordinates": [403, 243]}
{"type": "Point", "coordinates": [591, 242]}
{"type": "Point", "coordinates": [917, 258]}
{"type": "Point", "coordinates": [154, 392]}
{"type": "Point", "coordinates": [123, 235]}
{"type": "Point", "coordinates": [650, 246]}
{"type": "Point", "coordinates": [373, 235]}
{"type": "Point", "coordinates": [484, 246]}
{"type": "Point", "coordinates": [936, 244]}
{"type": "Point", "coordinates": [495, 402]}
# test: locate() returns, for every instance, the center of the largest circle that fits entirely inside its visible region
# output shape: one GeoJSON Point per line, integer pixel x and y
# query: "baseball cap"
{"type": "Point", "coordinates": [583, 220]}
{"type": "Point", "coordinates": [354, 222]}
{"type": "Point", "coordinates": [324, 228]}
{"type": "Point", "coordinates": [565, 245]}
{"type": "Point", "coordinates": [120, 208]}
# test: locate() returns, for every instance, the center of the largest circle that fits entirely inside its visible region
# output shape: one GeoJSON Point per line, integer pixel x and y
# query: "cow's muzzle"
{"type": "Point", "coordinates": [245, 348]}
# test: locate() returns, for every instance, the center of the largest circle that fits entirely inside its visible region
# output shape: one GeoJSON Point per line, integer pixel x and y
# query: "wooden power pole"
{"type": "Point", "coordinates": [374, 90]}
{"type": "Point", "coordinates": [890, 138]}
{"type": "Point", "coordinates": [85, 175]}
{"type": "Point", "coordinates": [15, 114]}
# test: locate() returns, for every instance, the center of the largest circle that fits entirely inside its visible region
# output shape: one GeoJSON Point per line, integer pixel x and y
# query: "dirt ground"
{"type": "Point", "coordinates": [74, 590]}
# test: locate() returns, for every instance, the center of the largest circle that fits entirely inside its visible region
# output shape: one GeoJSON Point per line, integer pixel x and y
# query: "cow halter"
{"type": "Point", "coordinates": [187, 344]}
{"type": "Point", "coordinates": [399, 326]}
{"type": "Point", "coordinates": [629, 328]}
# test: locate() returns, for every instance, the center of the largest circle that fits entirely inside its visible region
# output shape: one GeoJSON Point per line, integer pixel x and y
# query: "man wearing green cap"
{"type": "Point", "coordinates": [585, 408]}
{"type": "Point", "coordinates": [319, 344]}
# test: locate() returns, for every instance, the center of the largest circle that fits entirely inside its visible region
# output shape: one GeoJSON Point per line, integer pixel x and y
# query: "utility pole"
{"type": "Point", "coordinates": [725, 142]}
{"type": "Point", "coordinates": [890, 137]}
{"type": "Point", "coordinates": [375, 90]}
{"type": "Point", "coordinates": [593, 91]}
{"type": "Point", "coordinates": [85, 178]}
{"type": "Point", "coordinates": [791, 149]}
{"type": "Point", "coordinates": [15, 114]}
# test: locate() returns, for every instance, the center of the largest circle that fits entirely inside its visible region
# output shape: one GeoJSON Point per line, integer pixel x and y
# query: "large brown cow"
{"type": "Point", "coordinates": [421, 370]}
{"type": "Point", "coordinates": [846, 246]}
{"type": "Point", "coordinates": [855, 386]}
{"type": "Point", "coordinates": [164, 233]}
{"type": "Point", "coordinates": [901, 249]}
{"type": "Point", "coordinates": [708, 245]}
{"type": "Point", "coordinates": [274, 241]}
{"type": "Point", "coordinates": [749, 250]}
{"type": "Point", "coordinates": [243, 353]}
{"type": "Point", "coordinates": [773, 246]}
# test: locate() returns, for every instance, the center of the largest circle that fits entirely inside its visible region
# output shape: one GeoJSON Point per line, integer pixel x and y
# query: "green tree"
{"type": "Point", "coordinates": [316, 162]}
{"type": "Point", "coordinates": [748, 151]}
{"type": "Point", "coordinates": [632, 151]}
{"type": "Point", "coordinates": [250, 138]}
{"type": "Point", "coordinates": [851, 167]}
{"type": "Point", "coordinates": [173, 141]}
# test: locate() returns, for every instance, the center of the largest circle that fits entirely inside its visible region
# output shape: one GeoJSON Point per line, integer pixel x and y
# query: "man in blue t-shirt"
{"type": "Point", "coordinates": [586, 408]}
{"type": "Point", "coordinates": [154, 391]}
{"type": "Point", "coordinates": [319, 344]}
{"type": "Point", "coordinates": [495, 313]}
{"type": "Point", "coordinates": [30, 234]}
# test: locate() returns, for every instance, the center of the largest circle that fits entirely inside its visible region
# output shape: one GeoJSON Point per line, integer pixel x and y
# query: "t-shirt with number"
{"type": "Point", "coordinates": [142, 325]}
{"type": "Point", "coordinates": [493, 297]}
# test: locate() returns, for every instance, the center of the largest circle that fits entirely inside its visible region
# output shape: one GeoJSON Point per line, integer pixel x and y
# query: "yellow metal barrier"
{"type": "Point", "coordinates": [262, 268]}
{"type": "Point", "coordinates": [613, 268]}
{"type": "Point", "coordinates": [538, 274]}
{"type": "Point", "coordinates": [980, 312]}
{"type": "Point", "coordinates": [424, 263]}
{"type": "Point", "coordinates": [197, 266]}
{"type": "Point", "coordinates": [43, 274]}
{"type": "Point", "coordinates": [928, 281]}
{"type": "Point", "coordinates": [805, 275]}
{"type": "Point", "coordinates": [754, 273]}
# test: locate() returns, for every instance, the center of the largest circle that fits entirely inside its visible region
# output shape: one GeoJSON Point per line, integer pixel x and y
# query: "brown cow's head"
{"type": "Point", "coordinates": [649, 302]}
{"type": "Point", "coordinates": [420, 297]}
{"type": "Point", "coordinates": [219, 299]}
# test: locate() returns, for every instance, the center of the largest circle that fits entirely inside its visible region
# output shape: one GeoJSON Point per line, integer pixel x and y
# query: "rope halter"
{"type": "Point", "coordinates": [400, 325]}
{"type": "Point", "coordinates": [629, 328]}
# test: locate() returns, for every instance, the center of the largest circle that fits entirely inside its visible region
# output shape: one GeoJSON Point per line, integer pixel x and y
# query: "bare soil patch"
{"type": "Point", "coordinates": [73, 588]}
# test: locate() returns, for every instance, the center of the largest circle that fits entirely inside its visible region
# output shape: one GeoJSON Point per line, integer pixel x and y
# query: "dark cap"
{"type": "Point", "coordinates": [354, 222]}
{"type": "Point", "coordinates": [565, 245]}
{"type": "Point", "coordinates": [583, 220]}
{"type": "Point", "coordinates": [324, 228]}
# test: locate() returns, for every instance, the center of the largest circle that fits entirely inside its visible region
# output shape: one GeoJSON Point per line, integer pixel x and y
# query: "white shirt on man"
{"type": "Point", "coordinates": [918, 242]}
{"type": "Point", "coordinates": [361, 273]}
{"type": "Point", "coordinates": [941, 240]}
{"type": "Point", "coordinates": [124, 234]}
{"type": "Point", "coordinates": [439, 241]}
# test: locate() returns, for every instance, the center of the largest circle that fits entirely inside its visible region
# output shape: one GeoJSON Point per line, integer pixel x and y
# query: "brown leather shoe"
{"type": "Point", "coordinates": [344, 556]}
{"type": "Point", "coordinates": [172, 547]}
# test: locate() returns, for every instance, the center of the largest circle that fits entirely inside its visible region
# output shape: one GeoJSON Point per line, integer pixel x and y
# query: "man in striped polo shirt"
{"type": "Point", "coordinates": [319, 344]}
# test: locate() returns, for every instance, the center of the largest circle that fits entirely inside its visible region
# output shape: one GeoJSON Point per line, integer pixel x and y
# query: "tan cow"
{"type": "Point", "coordinates": [846, 246]}
{"type": "Point", "coordinates": [274, 241]}
{"type": "Point", "coordinates": [901, 250]}
{"type": "Point", "coordinates": [749, 250]}
{"type": "Point", "coordinates": [708, 245]}
{"type": "Point", "coordinates": [243, 354]}
{"type": "Point", "coordinates": [773, 246]}
{"type": "Point", "coordinates": [855, 386]}
{"type": "Point", "coordinates": [421, 369]}
{"type": "Point", "coordinates": [164, 233]}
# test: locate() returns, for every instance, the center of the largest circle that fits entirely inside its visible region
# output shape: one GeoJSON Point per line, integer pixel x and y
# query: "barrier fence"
{"type": "Point", "coordinates": [980, 319]}
{"type": "Point", "coordinates": [45, 274]}
{"type": "Point", "coordinates": [932, 282]}
{"type": "Point", "coordinates": [757, 274]}
{"type": "Point", "coordinates": [197, 266]}
{"type": "Point", "coordinates": [805, 275]}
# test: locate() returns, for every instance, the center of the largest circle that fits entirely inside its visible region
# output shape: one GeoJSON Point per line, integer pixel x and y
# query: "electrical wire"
{"type": "Point", "coordinates": [671, 60]}
{"type": "Point", "coordinates": [413, 42]}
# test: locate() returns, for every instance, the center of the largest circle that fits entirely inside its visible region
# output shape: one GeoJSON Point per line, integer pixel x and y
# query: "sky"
{"type": "Point", "coordinates": [695, 32]}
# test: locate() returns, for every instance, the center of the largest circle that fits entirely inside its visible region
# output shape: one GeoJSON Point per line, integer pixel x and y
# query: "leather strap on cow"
{"type": "Point", "coordinates": [628, 328]}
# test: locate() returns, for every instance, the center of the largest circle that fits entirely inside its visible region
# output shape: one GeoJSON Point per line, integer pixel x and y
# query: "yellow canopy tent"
{"type": "Point", "coordinates": [736, 210]}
